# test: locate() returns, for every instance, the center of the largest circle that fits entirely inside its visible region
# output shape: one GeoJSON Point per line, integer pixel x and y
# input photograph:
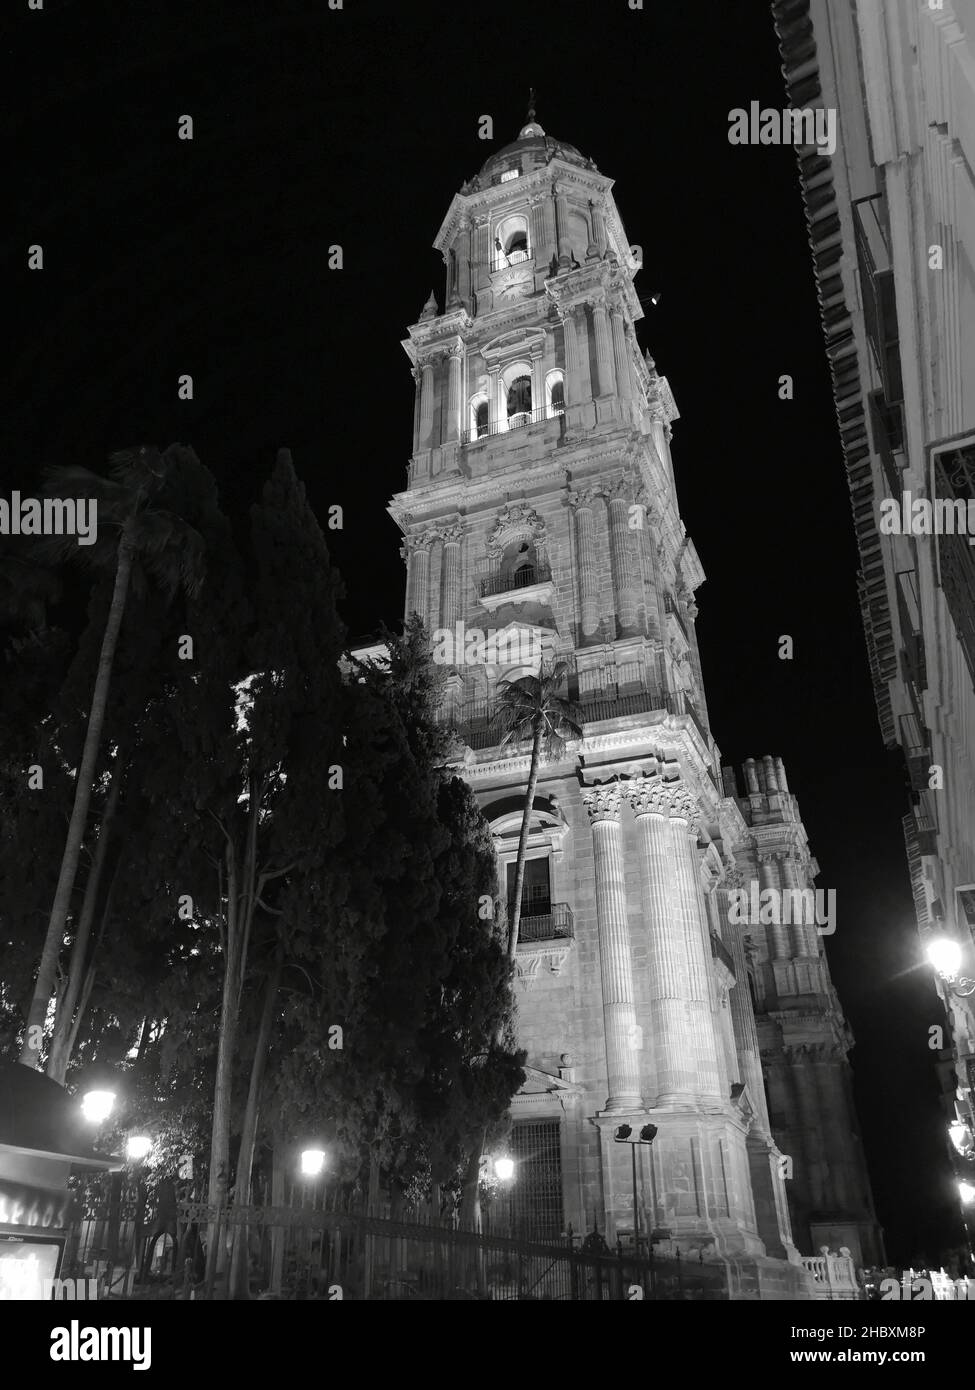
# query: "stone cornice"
{"type": "Point", "coordinates": [483, 201]}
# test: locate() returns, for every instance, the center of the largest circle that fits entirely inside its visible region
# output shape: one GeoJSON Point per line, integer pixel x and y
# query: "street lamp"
{"type": "Point", "coordinates": [138, 1147]}
{"type": "Point", "coordinates": [623, 1134]}
{"type": "Point", "coordinates": [504, 1169]}
{"type": "Point", "coordinates": [312, 1162]}
{"type": "Point", "coordinates": [944, 954]}
{"type": "Point", "coordinates": [96, 1106]}
{"type": "Point", "coordinates": [966, 1192]}
{"type": "Point", "coordinates": [961, 1136]}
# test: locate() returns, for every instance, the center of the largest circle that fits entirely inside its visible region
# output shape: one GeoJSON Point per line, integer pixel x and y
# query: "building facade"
{"type": "Point", "coordinates": [657, 986]}
{"type": "Point", "coordinates": [891, 220]}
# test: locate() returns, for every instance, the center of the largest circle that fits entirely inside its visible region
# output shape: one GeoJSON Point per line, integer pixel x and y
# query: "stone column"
{"type": "Point", "coordinates": [604, 348]}
{"type": "Point", "coordinates": [571, 382]}
{"type": "Point", "coordinates": [494, 393]}
{"type": "Point", "coordinates": [623, 1042]}
{"type": "Point", "coordinates": [701, 1036]}
{"type": "Point", "coordinates": [426, 406]}
{"type": "Point", "coordinates": [538, 380]}
{"type": "Point", "coordinates": [465, 252]}
{"type": "Point", "coordinates": [793, 930]}
{"type": "Point", "coordinates": [582, 346]}
{"type": "Point", "coordinates": [450, 576]}
{"type": "Point", "coordinates": [562, 226]}
{"type": "Point", "coordinates": [482, 258]}
{"type": "Point", "coordinates": [418, 580]}
{"type": "Point", "coordinates": [740, 1003]}
{"type": "Point", "coordinates": [666, 949]}
{"type": "Point", "coordinates": [621, 354]}
{"type": "Point", "coordinates": [621, 559]}
{"type": "Point", "coordinates": [768, 877]}
{"type": "Point", "coordinates": [812, 1122]}
{"type": "Point", "coordinates": [416, 409]}
{"type": "Point", "coordinates": [453, 394]}
{"type": "Point", "coordinates": [586, 563]}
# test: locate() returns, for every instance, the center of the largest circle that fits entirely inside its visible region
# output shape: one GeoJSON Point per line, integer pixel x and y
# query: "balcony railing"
{"type": "Point", "coordinates": [954, 475]}
{"type": "Point", "coordinates": [720, 952]}
{"type": "Point", "coordinates": [553, 924]}
{"type": "Point", "coordinates": [519, 579]}
{"type": "Point", "coordinates": [888, 435]}
{"type": "Point", "coordinates": [639, 702]}
{"type": "Point", "coordinates": [877, 288]}
{"type": "Point", "coordinates": [518, 421]}
{"type": "Point", "coordinates": [674, 612]}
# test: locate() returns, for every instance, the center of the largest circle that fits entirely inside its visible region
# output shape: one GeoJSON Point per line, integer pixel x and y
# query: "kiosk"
{"type": "Point", "coordinates": [42, 1140]}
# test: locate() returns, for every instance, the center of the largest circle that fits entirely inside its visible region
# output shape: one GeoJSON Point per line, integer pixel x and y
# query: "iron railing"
{"type": "Point", "coordinates": [498, 583]}
{"type": "Point", "coordinates": [877, 288]}
{"type": "Point", "coordinates": [320, 1247]}
{"type": "Point", "coordinates": [554, 923]}
{"type": "Point", "coordinates": [954, 473]}
{"type": "Point", "coordinates": [518, 421]}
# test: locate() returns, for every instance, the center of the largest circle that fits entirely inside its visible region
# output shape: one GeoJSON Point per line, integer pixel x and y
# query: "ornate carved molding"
{"type": "Point", "coordinates": [647, 796]}
{"type": "Point", "coordinates": [603, 803]}
{"type": "Point", "coordinates": [515, 519]}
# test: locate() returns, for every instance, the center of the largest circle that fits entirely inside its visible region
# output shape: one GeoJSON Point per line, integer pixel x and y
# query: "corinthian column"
{"type": "Point", "coordinates": [418, 577]}
{"type": "Point", "coordinates": [621, 559]}
{"type": "Point", "coordinates": [453, 395]}
{"type": "Point", "coordinates": [701, 1035]}
{"type": "Point", "coordinates": [426, 405]}
{"type": "Point", "coordinates": [571, 383]}
{"type": "Point", "coordinates": [604, 347]}
{"type": "Point", "coordinates": [666, 949]}
{"type": "Point", "coordinates": [450, 576]}
{"type": "Point", "coordinates": [621, 353]}
{"type": "Point", "coordinates": [586, 564]}
{"type": "Point", "coordinates": [623, 1040]}
{"type": "Point", "coordinates": [582, 343]}
{"type": "Point", "coordinates": [768, 877]}
{"type": "Point", "coordinates": [562, 226]}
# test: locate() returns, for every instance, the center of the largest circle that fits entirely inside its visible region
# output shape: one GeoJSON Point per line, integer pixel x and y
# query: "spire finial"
{"type": "Point", "coordinates": [531, 104]}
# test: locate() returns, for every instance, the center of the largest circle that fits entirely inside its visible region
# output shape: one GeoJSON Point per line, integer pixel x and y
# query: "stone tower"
{"type": "Point", "coordinates": [541, 522]}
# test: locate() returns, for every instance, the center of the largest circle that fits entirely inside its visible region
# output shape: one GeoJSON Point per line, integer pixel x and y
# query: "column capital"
{"type": "Point", "coordinates": [420, 540]}
{"type": "Point", "coordinates": [621, 489]}
{"type": "Point", "coordinates": [647, 796]}
{"type": "Point", "coordinates": [683, 803]}
{"type": "Point", "coordinates": [452, 533]}
{"type": "Point", "coordinates": [603, 802]}
{"type": "Point", "coordinates": [585, 497]}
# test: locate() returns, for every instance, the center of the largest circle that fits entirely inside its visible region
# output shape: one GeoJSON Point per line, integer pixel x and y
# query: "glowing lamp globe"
{"type": "Point", "coordinates": [945, 955]}
{"type": "Point", "coordinates": [966, 1192]}
{"type": "Point", "coordinates": [312, 1162]}
{"type": "Point", "coordinates": [96, 1106]}
{"type": "Point", "coordinates": [137, 1147]}
{"type": "Point", "coordinates": [504, 1169]}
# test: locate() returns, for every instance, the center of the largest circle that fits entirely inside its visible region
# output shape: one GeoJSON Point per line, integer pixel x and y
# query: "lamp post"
{"type": "Point", "coordinates": [138, 1147]}
{"type": "Point", "coordinates": [944, 955]}
{"type": "Point", "coordinates": [623, 1134]}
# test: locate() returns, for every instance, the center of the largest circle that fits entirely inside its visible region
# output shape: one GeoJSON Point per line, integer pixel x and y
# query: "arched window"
{"type": "Point", "coordinates": [479, 417]}
{"type": "Point", "coordinates": [511, 241]}
{"type": "Point", "coordinates": [554, 394]}
{"type": "Point", "coordinates": [519, 399]}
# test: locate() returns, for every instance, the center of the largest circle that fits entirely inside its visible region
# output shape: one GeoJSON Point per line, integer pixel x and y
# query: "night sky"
{"type": "Point", "coordinates": [356, 127]}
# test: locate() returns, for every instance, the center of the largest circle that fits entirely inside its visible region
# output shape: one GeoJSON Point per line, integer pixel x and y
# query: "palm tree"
{"type": "Point", "coordinates": [534, 710]}
{"type": "Point", "coordinates": [137, 538]}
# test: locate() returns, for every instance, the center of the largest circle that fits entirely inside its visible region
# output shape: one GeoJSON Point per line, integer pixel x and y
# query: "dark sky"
{"type": "Point", "coordinates": [356, 127]}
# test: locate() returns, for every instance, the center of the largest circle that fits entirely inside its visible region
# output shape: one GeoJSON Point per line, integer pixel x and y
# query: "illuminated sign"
{"type": "Point", "coordinates": [33, 1206]}
{"type": "Point", "coordinates": [28, 1267]}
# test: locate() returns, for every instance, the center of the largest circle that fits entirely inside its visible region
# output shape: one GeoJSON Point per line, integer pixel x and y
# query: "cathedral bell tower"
{"type": "Point", "coordinates": [541, 522]}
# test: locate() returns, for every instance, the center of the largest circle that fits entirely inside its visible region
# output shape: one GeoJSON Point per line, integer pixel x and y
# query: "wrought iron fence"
{"type": "Point", "coordinates": [137, 1247]}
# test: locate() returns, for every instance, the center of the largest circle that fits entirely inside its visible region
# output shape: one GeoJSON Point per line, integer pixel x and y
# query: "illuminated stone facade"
{"type": "Point", "coordinates": [541, 508]}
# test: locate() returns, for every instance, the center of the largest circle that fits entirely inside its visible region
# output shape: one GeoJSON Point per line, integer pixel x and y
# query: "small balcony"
{"type": "Point", "coordinates": [519, 421]}
{"type": "Point", "coordinates": [545, 922]}
{"type": "Point", "coordinates": [670, 604]}
{"type": "Point", "coordinates": [525, 578]}
{"type": "Point", "coordinates": [877, 288]}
